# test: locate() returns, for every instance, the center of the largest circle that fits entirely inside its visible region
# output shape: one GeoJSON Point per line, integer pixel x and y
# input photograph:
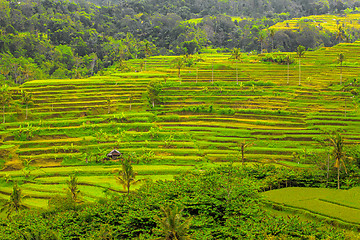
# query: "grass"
{"type": "Point", "coordinates": [332, 203]}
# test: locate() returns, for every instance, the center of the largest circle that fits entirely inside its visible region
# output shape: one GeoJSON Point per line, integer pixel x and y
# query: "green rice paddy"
{"type": "Point", "coordinates": [200, 120]}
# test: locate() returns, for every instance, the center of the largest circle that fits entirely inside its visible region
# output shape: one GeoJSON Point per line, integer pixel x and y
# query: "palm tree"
{"type": "Point", "coordinates": [236, 55]}
{"type": "Point", "coordinates": [148, 52]}
{"type": "Point", "coordinates": [340, 60]}
{"type": "Point", "coordinates": [340, 34]}
{"type": "Point", "coordinates": [288, 61]}
{"type": "Point", "coordinates": [108, 102]}
{"type": "Point", "coordinates": [242, 148]}
{"type": "Point", "coordinates": [300, 52]}
{"type": "Point", "coordinates": [73, 188]}
{"type": "Point", "coordinates": [337, 143]}
{"type": "Point", "coordinates": [172, 225]}
{"type": "Point", "coordinates": [26, 99]}
{"type": "Point", "coordinates": [15, 202]}
{"type": "Point", "coordinates": [261, 38]}
{"type": "Point", "coordinates": [131, 99]}
{"type": "Point", "coordinates": [126, 175]}
{"type": "Point", "coordinates": [178, 63]}
{"type": "Point", "coordinates": [5, 98]}
{"type": "Point", "coordinates": [197, 60]}
{"type": "Point", "coordinates": [212, 73]}
{"type": "Point", "coordinates": [272, 36]}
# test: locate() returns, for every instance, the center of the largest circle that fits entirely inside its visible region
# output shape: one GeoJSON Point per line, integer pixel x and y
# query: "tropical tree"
{"type": "Point", "coordinates": [131, 99]}
{"type": "Point", "coordinates": [196, 61]}
{"type": "Point", "coordinates": [261, 38]}
{"type": "Point", "coordinates": [126, 176]}
{"type": "Point", "coordinates": [242, 148]}
{"type": "Point", "coordinates": [26, 99]}
{"type": "Point", "coordinates": [212, 73]}
{"type": "Point", "coordinates": [178, 63]}
{"type": "Point", "coordinates": [340, 34]}
{"type": "Point", "coordinates": [236, 55]}
{"type": "Point", "coordinates": [108, 103]}
{"type": "Point", "coordinates": [154, 89]}
{"type": "Point", "coordinates": [340, 59]}
{"type": "Point", "coordinates": [300, 53]}
{"type": "Point", "coordinates": [15, 202]}
{"type": "Point", "coordinates": [337, 143]}
{"type": "Point", "coordinates": [272, 36]}
{"type": "Point", "coordinates": [288, 61]}
{"type": "Point", "coordinates": [73, 189]}
{"type": "Point", "coordinates": [5, 98]}
{"type": "Point", "coordinates": [172, 225]}
{"type": "Point", "coordinates": [148, 52]}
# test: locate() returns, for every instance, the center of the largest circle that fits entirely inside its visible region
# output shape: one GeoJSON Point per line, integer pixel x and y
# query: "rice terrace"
{"type": "Point", "coordinates": [250, 140]}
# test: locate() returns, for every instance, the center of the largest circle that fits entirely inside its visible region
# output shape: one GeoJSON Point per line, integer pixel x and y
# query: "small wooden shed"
{"type": "Point", "coordinates": [114, 154]}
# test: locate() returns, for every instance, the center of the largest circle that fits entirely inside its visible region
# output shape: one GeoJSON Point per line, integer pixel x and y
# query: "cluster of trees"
{"type": "Point", "coordinates": [199, 8]}
{"type": "Point", "coordinates": [10, 99]}
{"type": "Point", "coordinates": [220, 203]}
{"type": "Point", "coordinates": [60, 39]}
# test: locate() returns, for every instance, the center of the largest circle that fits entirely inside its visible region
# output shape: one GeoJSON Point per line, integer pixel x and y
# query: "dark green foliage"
{"type": "Point", "coordinates": [14, 204]}
{"type": "Point", "coordinates": [154, 89]}
{"type": "Point", "coordinates": [47, 39]}
{"type": "Point", "coordinates": [280, 59]}
{"type": "Point", "coordinates": [222, 202]}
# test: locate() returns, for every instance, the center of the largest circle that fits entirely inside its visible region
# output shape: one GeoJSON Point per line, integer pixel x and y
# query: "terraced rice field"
{"type": "Point", "coordinates": [202, 117]}
{"type": "Point", "coordinates": [343, 205]}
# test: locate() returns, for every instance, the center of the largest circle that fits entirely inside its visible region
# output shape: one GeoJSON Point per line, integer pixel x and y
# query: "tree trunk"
{"type": "Point", "coordinates": [338, 177]}
{"type": "Point", "coordinates": [242, 155]}
{"type": "Point", "coordinates": [288, 73]}
{"type": "Point", "coordinates": [197, 74]}
{"type": "Point", "coordinates": [237, 78]}
{"type": "Point", "coordinates": [212, 74]}
{"type": "Point", "coordinates": [4, 113]}
{"type": "Point", "coordinates": [153, 103]}
{"type": "Point", "coordinates": [26, 113]}
{"type": "Point", "coordinates": [328, 170]}
{"type": "Point", "coordinates": [341, 73]}
{"type": "Point", "coordinates": [299, 71]}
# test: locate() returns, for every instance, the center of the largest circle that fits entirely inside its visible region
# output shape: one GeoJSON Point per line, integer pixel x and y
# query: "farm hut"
{"type": "Point", "coordinates": [114, 154]}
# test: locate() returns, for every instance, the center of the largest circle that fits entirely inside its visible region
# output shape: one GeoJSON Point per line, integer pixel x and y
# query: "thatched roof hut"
{"type": "Point", "coordinates": [114, 154]}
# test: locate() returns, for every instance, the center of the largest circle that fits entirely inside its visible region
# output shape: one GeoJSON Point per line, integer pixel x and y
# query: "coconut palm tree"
{"type": "Point", "coordinates": [300, 52]}
{"type": "Point", "coordinates": [288, 61]}
{"type": "Point", "coordinates": [272, 36]}
{"type": "Point", "coordinates": [73, 188]}
{"type": "Point", "coordinates": [108, 103]}
{"type": "Point", "coordinates": [131, 99]}
{"type": "Point", "coordinates": [236, 55]}
{"type": "Point", "coordinates": [148, 52]}
{"type": "Point", "coordinates": [340, 59]}
{"type": "Point", "coordinates": [261, 37]}
{"type": "Point", "coordinates": [337, 143]}
{"type": "Point", "coordinates": [340, 34]}
{"type": "Point", "coordinates": [15, 202]}
{"type": "Point", "coordinates": [126, 176]}
{"type": "Point", "coordinates": [5, 98]}
{"type": "Point", "coordinates": [242, 148]}
{"type": "Point", "coordinates": [26, 99]}
{"type": "Point", "coordinates": [178, 63]}
{"type": "Point", "coordinates": [172, 225]}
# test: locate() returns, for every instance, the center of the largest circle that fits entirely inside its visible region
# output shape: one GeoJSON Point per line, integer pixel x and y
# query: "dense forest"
{"type": "Point", "coordinates": [42, 39]}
